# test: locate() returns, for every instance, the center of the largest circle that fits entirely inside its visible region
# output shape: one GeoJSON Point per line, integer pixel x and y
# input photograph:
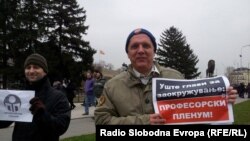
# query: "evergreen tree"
{"type": "Point", "coordinates": [51, 28]}
{"type": "Point", "coordinates": [67, 34]}
{"type": "Point", "coordinates": [175, 53]}
{"type": "Point", "coordinates": [8, 23]}
{"type": "Point", "coordinates": [20, 37]}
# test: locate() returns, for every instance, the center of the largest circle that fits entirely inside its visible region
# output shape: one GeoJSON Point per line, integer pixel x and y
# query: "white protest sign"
{"type": "Point", "coordinates": [14, 105]}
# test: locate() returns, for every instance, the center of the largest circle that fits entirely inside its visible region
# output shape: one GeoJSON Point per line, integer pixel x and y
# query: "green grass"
{"type": "Point", "coordinates": [241, 117]}
{"type": "Point", "coordinates": [89, 137]}
{"type": "Point", "coordinates": [242, 113]}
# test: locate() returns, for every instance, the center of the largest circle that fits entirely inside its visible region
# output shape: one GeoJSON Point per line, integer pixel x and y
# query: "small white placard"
{"type": "Point", "coordinates": [14, 105]}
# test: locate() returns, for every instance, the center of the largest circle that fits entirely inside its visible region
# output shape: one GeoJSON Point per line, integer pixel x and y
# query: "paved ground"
{"type": "Point", "coordinates": [79, 110]}
{"type": "Point", "coordinates": [79, 127]}
{"type": "Point", "coordinates": [79, 124]}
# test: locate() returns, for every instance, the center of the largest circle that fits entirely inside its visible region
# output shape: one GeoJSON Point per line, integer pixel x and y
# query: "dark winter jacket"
{"type": "Point", "coordinates": [70, 90]}
{"type": "Point", "coordinates": [98, 87]}
{"type": "Point", "coordinates": [48, 125]}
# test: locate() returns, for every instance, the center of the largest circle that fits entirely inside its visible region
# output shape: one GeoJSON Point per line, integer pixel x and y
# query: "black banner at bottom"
{"type": "Point", "coordinates": [189, 132]}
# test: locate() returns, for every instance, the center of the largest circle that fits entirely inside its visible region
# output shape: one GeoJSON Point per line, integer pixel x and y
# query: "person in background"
{"type": "Point", "coordinates": [242, 90]}
{"type": "Point", "coordinates": [70, 91]}
{"type": "Point", "coordinates": [124, 67]}
{"type": "Point", "coordinates": [50, 107]}
{"type": "Point", "coordinates": [248, 90]}
{"type": "Point", "coordinates": [89, 95]}
{"type": "Point", "coordinates": [57, 85]}
{"type": "Point", "coordinates": [98, 85]}
{"type": "Point", "coordinates": [127, 97]}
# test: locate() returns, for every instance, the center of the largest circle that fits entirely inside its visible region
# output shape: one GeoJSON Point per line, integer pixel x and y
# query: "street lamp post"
{"type": "Point", "coordinates": [241, 54]}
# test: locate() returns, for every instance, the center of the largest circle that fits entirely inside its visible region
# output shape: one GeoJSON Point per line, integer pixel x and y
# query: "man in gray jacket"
{"type": "Point", "coordinates": [127, 98]}
{"type": "Point", "coordinates": [50, 107]}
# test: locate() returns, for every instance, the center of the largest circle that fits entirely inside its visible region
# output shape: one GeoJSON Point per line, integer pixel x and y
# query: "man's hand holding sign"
{"type": "Point", "coordinates": [194, 101]}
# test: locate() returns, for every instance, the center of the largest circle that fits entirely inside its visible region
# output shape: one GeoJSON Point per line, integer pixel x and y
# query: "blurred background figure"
{"type": "Point", "coordinates": [89, 95]}
{"type": "Point", "coordinates": [58, 85]}
{"type": "Point", "coordinates": [248, 90]}
{"type": "Point", "coordinates": [70, 92]}
{"type": "Point", "coordinates": [210, 68]}
{"type": "Point", "coordinates": [124, 67]}
{"type": "Point", "coordinates": [98, 85]}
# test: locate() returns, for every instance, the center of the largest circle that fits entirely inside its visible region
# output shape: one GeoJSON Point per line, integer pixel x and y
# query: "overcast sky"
{"type": "Point", "coordinates": [215, 29]}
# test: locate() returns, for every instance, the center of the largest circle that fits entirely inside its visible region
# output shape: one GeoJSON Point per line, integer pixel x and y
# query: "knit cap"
{"type": "Point", "coordinates": [141, 31]}
{"type": "Point", "coordinates": [36, 59]}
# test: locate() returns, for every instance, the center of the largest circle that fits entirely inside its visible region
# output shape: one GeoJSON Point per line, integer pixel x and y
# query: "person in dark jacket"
{"type": "Point", "coordinates": [70, 91]}
{"type": "Point", "coordinates": [98, 85]}
{"type": "Point", "coordinates": [248, 90]}
{"type": "Point", "coordinates": [50, 107]}
{"type": "Point", "coordinates": [58, 85]}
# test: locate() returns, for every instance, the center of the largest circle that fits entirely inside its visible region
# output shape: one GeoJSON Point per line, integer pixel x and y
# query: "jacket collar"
{"type": "Point", "coordinates": [135, 80]}
{"type": "Point", "coordinates": [40, 87]}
